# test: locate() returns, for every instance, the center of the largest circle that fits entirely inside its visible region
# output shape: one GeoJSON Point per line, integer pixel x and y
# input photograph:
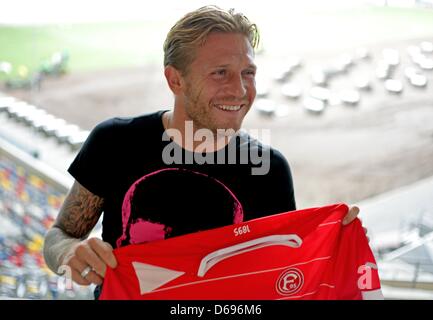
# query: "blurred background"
{"type": "Point", "coordinates": [344, 86]}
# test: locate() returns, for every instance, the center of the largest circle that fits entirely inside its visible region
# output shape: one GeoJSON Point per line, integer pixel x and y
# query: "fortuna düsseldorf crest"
{"type": "Point", "coordinates": [290, 282]}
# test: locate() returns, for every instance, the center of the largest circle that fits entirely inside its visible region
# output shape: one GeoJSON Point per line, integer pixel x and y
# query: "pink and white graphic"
{"type": "Point", "coordinates": [173, 201]}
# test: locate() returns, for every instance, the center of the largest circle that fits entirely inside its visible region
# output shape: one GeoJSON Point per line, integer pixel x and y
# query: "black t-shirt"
{"type": "Point", "coordinates": [122, 162]}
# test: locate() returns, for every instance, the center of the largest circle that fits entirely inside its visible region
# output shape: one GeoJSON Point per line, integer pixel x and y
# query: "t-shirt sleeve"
{"type": "Point", "coordinates": [91, 166]}
{"type": "Point", "coordinates": [283, 190]}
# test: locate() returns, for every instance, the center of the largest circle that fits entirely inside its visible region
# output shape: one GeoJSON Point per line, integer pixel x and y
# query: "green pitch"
{"type": "Point", "coordinates": [89, 46]}
{"type": "Point", "coordinates": [111, 45]}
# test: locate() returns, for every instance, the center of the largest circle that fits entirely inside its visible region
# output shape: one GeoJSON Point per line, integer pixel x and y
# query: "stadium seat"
{"type": "Point", "coordinates": [62, 133]}
{"type": "Point", "coordinates": [394, 86]}
{"type": "Point", "coordinates": [313, 105]}
{"type": "Point", "coordinates": [77, 139]}
{"type": "Point", "coordinates": [265, 107]}
{"type": "Point", "coordinates": [5, 103]}
{"type": "Point", "coordinates": [50, 124]}
{"type": "Point", "coordinates": [31, 204]}
{"type": "Point", "coordinates": [291, 90]}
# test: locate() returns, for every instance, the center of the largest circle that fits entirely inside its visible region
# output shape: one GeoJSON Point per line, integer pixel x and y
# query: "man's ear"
{"type": "Point", "coordinates": [174, 79]}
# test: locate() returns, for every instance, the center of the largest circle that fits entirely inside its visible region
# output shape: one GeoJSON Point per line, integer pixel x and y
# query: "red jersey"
{"type": "Point", "coordinates": [304, 254]}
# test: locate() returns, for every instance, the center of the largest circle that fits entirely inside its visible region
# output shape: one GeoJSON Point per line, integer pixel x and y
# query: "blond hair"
{"type": "Point", "coordinates": [191, 31]}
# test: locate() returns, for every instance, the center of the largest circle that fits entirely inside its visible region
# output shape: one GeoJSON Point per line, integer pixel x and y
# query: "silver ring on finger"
{"type": "Point", "coordinates": [86, 271]}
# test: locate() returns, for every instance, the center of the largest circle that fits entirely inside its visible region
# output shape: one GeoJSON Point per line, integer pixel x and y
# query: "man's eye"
{"type": "Point", "coordinates": [250, 72]}
{"type": "Point", "coordinates": [220, 72]}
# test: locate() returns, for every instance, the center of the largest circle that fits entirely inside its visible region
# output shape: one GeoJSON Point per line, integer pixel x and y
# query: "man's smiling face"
{"type": "Point", "coordinates": [219, 85]}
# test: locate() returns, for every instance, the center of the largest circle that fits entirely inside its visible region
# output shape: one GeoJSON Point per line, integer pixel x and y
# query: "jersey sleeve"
{"type": "Point", "coordinates": [356, 272]}
{"type": "Point", "coordinates": [91, 166]}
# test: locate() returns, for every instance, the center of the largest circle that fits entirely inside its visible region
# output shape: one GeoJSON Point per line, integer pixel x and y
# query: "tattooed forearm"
{"type": "Point", "coordinates": [56, 246]}
{"type": "Point", "coordinates": [80, 212]}
{"type": "Point", "coordinates": [77, 217]}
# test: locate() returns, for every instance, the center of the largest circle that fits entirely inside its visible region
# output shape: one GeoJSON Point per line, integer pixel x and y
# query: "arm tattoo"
{"type": "Point", "coordinates": [78, 215]}
{"type": "Point", "coordinates": [56, 246]}
{"type": "Point", "coordinates": [80, 212]}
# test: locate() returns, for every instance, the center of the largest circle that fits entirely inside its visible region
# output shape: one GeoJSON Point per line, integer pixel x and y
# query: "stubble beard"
{"type": "Point", "coordinates": [202, 118]}
{"type": "Point", "coordinates": [201, 113]}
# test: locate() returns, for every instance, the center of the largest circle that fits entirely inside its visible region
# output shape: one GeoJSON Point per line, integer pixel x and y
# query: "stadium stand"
{"type": "Point", "coordinates": [31, 193]}
{"type": "Point", "coordinates": [349, 79]}
{"type": "Point", "coordinates": [401, 232]}
{"type": "Point", "coordinates": [43, 122]}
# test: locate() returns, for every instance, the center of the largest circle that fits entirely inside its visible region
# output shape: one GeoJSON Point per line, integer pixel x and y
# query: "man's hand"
{"type": "Point", "coordinates": [66, 243]}
{"type": "Point", "coordinates": [91, 253]}
{"type": "Point", "coordinates": [351, 215]}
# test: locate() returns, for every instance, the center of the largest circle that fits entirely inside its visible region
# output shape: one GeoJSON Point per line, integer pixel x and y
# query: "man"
{"type": "Point", "coordinates": [209, 67]}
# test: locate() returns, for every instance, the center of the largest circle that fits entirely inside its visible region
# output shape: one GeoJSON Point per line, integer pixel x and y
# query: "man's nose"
{"type": "Point", "coordinates": [237, 86]}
